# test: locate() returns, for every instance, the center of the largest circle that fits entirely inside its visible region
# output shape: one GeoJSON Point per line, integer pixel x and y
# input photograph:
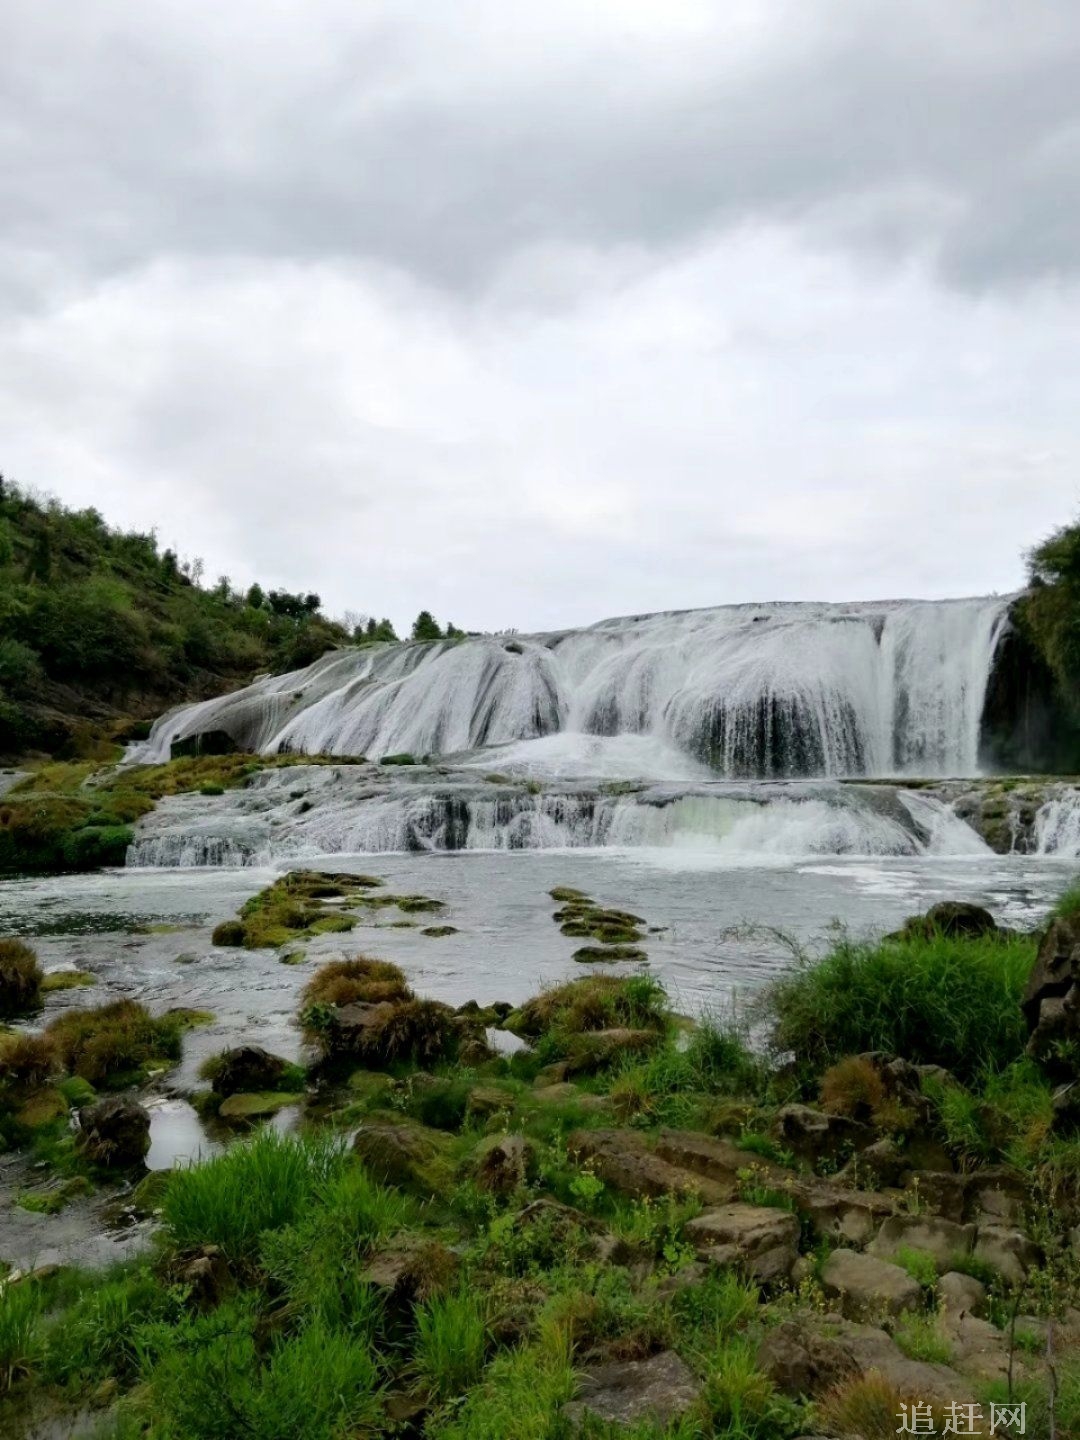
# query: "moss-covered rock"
{"type": "Point", "coordinates": [20, 978]}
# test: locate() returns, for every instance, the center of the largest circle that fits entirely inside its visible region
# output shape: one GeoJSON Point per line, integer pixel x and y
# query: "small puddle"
{"type": "Point", "coordinates": [177, 1136]}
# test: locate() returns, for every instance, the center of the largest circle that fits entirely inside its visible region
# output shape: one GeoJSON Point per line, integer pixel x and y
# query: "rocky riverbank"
{"type": "Point", "coordinates": [631, 1224]}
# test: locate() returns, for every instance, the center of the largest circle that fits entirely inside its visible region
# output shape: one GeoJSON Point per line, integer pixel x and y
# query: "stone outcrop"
{"type": "Point", "coordinates": [1051, 1002]}
{"type": "Point", "coordinates": [868, 1288]}
{"type": "Point", "coordinates": [814, 1135]}
{"type": "Point", "coordinates": [400, 1153]}
{"type": "Point", "coordinates": [623, 1160]}
{"type": "Point", "coordinates": [945, 1240]}
{"type": "Point", "coordinates": [760, 1239]}
{"type": "Point", "coordinates": [504, 1163]}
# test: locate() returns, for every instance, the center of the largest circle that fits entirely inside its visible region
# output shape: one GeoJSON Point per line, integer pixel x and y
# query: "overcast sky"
{"type": "Point", "coordinates": [537, 313]}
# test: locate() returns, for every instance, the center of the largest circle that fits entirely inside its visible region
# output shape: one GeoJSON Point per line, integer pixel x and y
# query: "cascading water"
{"type": "Point", "coordinates": [307, 811]}
{"type": "Point", "coordinates": [749, 691]}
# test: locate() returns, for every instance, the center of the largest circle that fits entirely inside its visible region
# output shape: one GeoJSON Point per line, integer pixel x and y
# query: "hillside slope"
{"type": "Point", "coordinates": [101, 630]}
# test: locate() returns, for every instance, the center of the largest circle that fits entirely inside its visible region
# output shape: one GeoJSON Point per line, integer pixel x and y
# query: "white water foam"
{"type": "Point", "coordinates": [304, 812]}
{"type": "Point", "coordinates": [1057, 826]}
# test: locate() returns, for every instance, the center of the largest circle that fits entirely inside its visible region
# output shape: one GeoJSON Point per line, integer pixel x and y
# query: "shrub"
{"type": "Point", "coordinates": [317, 1385]}
{"type": "Point", "coordinates": [256, 1187]}
{"type": "Point", "coordinates": [110, 1043]}
{"type": "Point", "coordinates": [935, 1000]}
{"type": "Point", "coordinates": [98, 1336]}
{"type": "Point", "coordinates": [743, 1400]}
{"type": "Point", "coordinates": [20, 977]}
{"type": "Point", "coordinates": [20, 1333]}
{"type": "Point", "coordinates": [921, 1337]}
{"type": "Point", "coordinates": [868, 1406]}
{"type": "Point", "coordinates": [852, 1087]}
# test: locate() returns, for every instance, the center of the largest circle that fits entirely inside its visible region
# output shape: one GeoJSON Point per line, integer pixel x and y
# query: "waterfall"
{"type": "Point", "coordinates": [747, 691]}
{"type": "Point", "coordinates": [1057, 825]}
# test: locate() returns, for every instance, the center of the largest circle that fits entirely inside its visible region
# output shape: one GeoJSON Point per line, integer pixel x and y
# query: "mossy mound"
{"type": "Point", "coordinates": [593, 1003]}
{"type": "Point", "coordinates": [114, 1045]}
{"type": "Point", "coordinates": [20, 978]}
{"type": "Point", "coordinates": [256, 1104]}
{"type": "Point", "coordinates": [67, 980]}
{"type": "Point", "coordinates": [295, 907]}
{"type": "Point", "coordinates": [362, 1009]}
{"type": "Point", "coordinates": [580, 918]}
{"type": "Point", "coordinates": [609, 954]}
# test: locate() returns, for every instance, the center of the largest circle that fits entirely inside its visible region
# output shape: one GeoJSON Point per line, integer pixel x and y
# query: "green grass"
{"type": "Point", "coordinates": [935, 1000]}
{"type": "Point", "coordinates": [743, 1401]}
{"type": "Point", "coordinates": [20, 1333]}
{"type": "Point", "coordinates": [918, 1264]}
{"type": "Point", "coordinates": [256, 1187]}
{"type": "Point", "coordinates": [519, 1396]}
{"type": "Point", "coordinates": [920, 1337]}
{"type": "Point", "coordinates": [451, 1342]}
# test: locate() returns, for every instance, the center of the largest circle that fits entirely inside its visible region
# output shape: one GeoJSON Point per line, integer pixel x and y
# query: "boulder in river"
{"type": "Point", "coordinates": [245, 1069]}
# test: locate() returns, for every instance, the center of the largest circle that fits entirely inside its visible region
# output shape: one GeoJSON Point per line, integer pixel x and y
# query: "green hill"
{"type": "Point", "coordinates": [100, 630]}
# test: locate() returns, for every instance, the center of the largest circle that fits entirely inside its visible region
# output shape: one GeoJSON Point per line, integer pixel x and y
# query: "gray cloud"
{"type": "Point", "coordinates": [533, 314]}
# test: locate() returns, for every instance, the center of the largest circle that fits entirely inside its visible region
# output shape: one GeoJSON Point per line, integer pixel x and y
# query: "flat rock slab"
{"type": "Point", "coordinates": [762, 1239]}
{"type": "Point", "coordinates": [808, 1355]}
{"type": "Point", "coordinates": [625, 1392]}
{"type": "Point", "coordinates": [867, 1287]}
{"type": "Point", "coordinates": [716, 1158]}
{"type": "Point", "coordinates": [944, 1239]}
{"type": "Point", "coordinates": [623, 1160]}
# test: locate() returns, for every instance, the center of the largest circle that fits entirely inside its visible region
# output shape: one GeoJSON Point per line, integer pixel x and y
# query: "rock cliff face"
{"type": "Point", "coordinates": [1026, 727]}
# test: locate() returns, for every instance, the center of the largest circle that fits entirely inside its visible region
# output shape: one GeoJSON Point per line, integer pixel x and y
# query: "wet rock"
{"type": "Point", "coordinates": [400, 1153]}
{"type": "Point", "coordinates": [945, 1240]}
{"type": "Point", "coordinates": [114, 1132]}
{"type": "Point", "coordinates": [207, 1277]}
{"type": "Point", "coordinates": [625, 1392]}
{"type": "Point", "coordinates": [1066, 1109]}
{"type": "Point", "coordinates": [868, 1288]}
{"type": "Point", "coordinates": [245, 1107]}
{"type": "Point", "coordinates": [815, 1135]}
{"type": "Point", "coordinates": [247, 1068]}
{"type": "Point", "coordinates": [1010, 1252]}
{"type": "Point", "coordinates": [954, 918]}
{"type": "Point", "coordinates": [939, 1192]}
{"type": "Point", "coordinates": [800, 1362]}
{"type": "Point", "coordinates": [623, 1160]}
{"type": "Point", "coordinates": [760, 1239]}
{"type": "Point", "coordinates": [809, 1355]}
{"type": "Point", "coordinates": [1051, 1002]}
{"type": "Point", "coordinates": [504, 1163]}
{"type": "Point", "coordinates": [960, 1294]}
